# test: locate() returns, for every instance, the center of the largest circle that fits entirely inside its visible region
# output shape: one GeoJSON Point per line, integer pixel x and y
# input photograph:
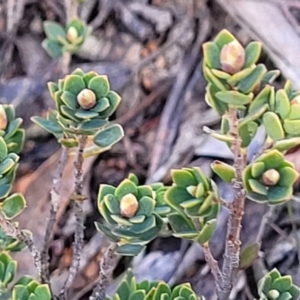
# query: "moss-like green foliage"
{"type": "Point", "coordinates": [273, 286]}
{"type": "Point", "coordinates": [129, 289]}
{"type": "Point", "coordinates": [195, 200]}
{"type": "Point", "coordinates": [132, 213]}
{"type": "Point", "coordinates": [270, 178]}
{"type": "Point", "coordinates": [60, 39]}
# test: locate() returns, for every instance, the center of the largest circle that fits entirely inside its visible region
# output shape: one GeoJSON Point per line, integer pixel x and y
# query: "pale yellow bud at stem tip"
{"type": "Point", "coordinates": [128, 206]}
{"type": "Point", "coordinates": [86, 99]}
{"type": "Point", "coordinates": [270, 177]}
{"type": "Point", "coordinates": [232, 57]}
{"type": "Point", "coordinates": [3, 118]}
{"type": "Point", "coordinates": [72, 34]}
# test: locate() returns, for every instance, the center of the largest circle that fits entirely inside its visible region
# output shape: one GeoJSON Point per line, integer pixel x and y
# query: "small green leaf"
{"type": "Point", "coordinates": [7, 165]}
{"type": "Point", "coordinates": [130, 250]}
{"type": "Point", "coordinates": [146, 206]}
{"type": "Point", "coordinates": [278, 195]}
{"type": "Point", "coordinates": [223, 37]}
{"type": "Point", "coordinates": [223, 170]}
{"type": "Point", "coordinates": [282, 284]}
{"type": "Point", "coordinates": [4, 190]}
{"type": "Point", "coordinates": [74, 84]}
{"type": "Point", "coordinates": [294, 112]}
{"type": "Point", "coordinates": [282, 103]}
{"type": "Point", "coordinates": [210, 77]}
{"type": "Point", "coordinates": [3, 149]}
{"type": "Point", "coordinates": [183, 178]}
{"type": "Point", "coordinates": [207, 232]}
{"type": "Point", "coordinates": [292, 127]}
{"type": "Point", "coordinates": [54, 49]}
{"type": "Point", "coordinates": [257, 187]}
{"type": "Point", "coordinates": [248, 255]}
{"type": "Point", "coordinates": [114, 101]}
{"type": "Point", "coordinates": [53, 30]}
{"type": "Point", "coordinates": [109, 136]}
{"type": "Point", "coordinates": [42, 292]}
{"type": "Point", "coordinates": [239, 76]}
{"type": "Point", "coordinates": [13, 205]}
{"type": "Point", "coordinates": [211, 54]}
{"type": "Point", "coordinates": [253, 51]}
{"type": "Point", "coordinates": [211, 99]}
{"type": "Point", "coordinates": [257, 168]}
{"type": "Point", "coordinates": [69, 142]}
{"type": "Point", "coordinates": [287, 144]}
{"type": "Point", "coordinates": [85, 114]}
{"type": "Point", "coordinates": [69, 99]}
{"type": "Point", "coordinates": [180, 224]}
{"type": "Point", "coordinates": [234, 97]}
{"type": "Point", "coordinates": [288, 176]}
{"type": "Point", "coordinates": [249, 83]}
{"type": "Point", "coordinates": [47, 125]}
{"type": "Point", "coordinates": [261, 99]}
{"type": "Point", "coordinates": [107, 232]}
{"type": "Point", "coordinates": [99, 85]}
{"type": "Point", "coordinates": [94, 150]}
{"type": "Point", "coordinates": [273, 126]}
{"type": "Point", "coordinates": [270, 76]}
{"type": "Point", "coordinates": [124, 188]}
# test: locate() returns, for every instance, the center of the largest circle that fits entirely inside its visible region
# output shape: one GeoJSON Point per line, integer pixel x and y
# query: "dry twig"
{"type": "Point", "coordinates": [78, 197]}
{"type": "Point", "coordinates": [106, 268]}
{"type": "Point", "coordinates": [10, 229]}
{"type": "Point", "coordinates": [55, 199]}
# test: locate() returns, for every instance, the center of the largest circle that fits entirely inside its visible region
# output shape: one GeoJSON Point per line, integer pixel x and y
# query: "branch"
{"type": "Point", "coordinates": [78, 197]}
{"type": "Point", "coordinates": [236, 211]}
{"type": "Point", "coordinates": [214, 267]}
{"type": "Point", "coordinates": [54, 199]}
{"type": "Point", "coordinates": [12, 230]}
{"type": "Point", "coordinates": [106, 268]}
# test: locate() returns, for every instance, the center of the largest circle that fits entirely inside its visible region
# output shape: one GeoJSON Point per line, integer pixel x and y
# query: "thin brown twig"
{"type": "Point", "coordinates": [78, 197]}
{"type": "Point", "coordinates": [213, 264]}
{"type": "Point", "coordinates": [106, 268]}
{"type": "Point", "coordinates": [10, 229]}
{"type": "Point", "coordinates": [233, 243]}
{"type": "Point", "coordinates": [54, 201]}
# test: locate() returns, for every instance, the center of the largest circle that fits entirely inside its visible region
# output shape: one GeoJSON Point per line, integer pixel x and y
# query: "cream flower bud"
{"type": "Point", "coordinates": [3, 118]}
{"type": "Point", "coordinates": [271, 177]}
{"type": "Point", "coordinates": [274, 294]}
{"type": "Point", "coordinates": [128, 206]}
{"type": "Point", "coordinates": [232, 57]}
{"type": "Point", "coordinates": [86, 99]}
{"type": "Point", "coordinates": [72, 34]}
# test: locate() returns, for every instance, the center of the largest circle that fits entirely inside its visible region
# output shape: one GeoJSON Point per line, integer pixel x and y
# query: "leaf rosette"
{"type": "Point", "coordinates": [131, 213]}
{"type": "Point", "coordinates": [195, 200]}
{"type": "Point", "coordinates": [26, 288]}
{"type": "Point", "coordinates": [270, 178]}
{"type": "Point", "coordinates": [130, 289]}
{"type": "Point", "coordinates": [68, 39]}
{"type": "Point", "coordinates": [84, 102]}
{"type": "Point", "coordinates": [273, 286]}
{"type": "Point", "coordinates": [233, 74]}
{"type": "Point", "coordinates": [10, 130]}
